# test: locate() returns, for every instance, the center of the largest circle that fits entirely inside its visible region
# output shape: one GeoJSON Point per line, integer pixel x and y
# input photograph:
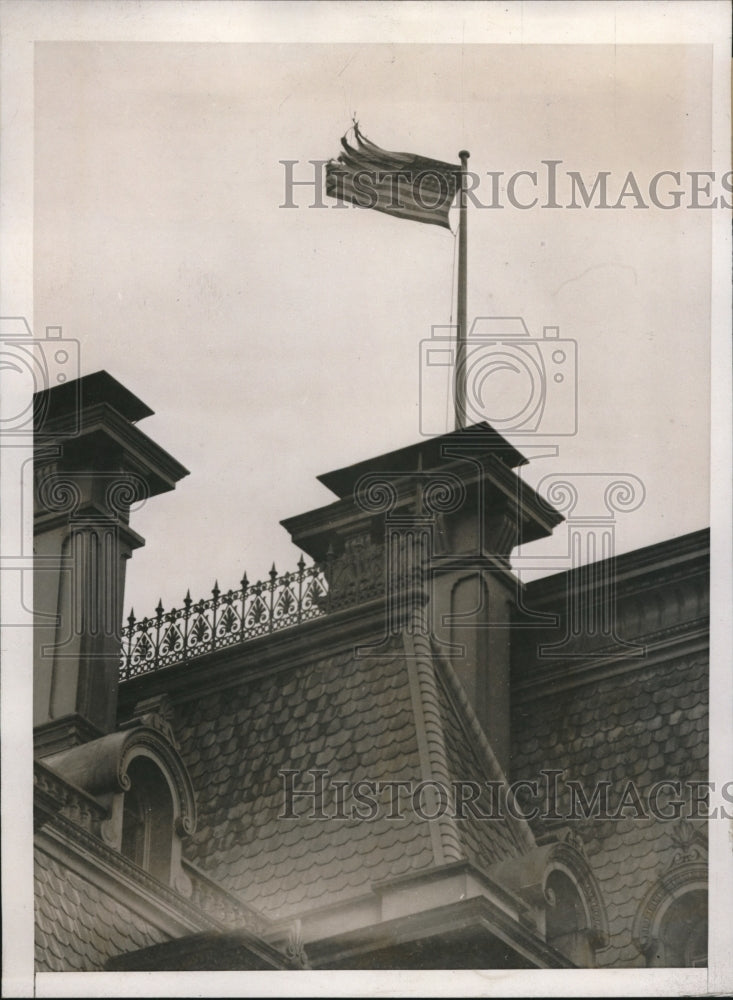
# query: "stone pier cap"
{"type": "Point", "coordinates": [466, 477]}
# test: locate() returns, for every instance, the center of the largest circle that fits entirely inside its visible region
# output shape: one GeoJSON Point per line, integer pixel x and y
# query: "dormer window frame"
{"type": "Point", "coordinates": [678, 896]}
{"type": "Point", "coordinates": [153, 806]}
{"type": "Point", "coordinates": [142, 757]}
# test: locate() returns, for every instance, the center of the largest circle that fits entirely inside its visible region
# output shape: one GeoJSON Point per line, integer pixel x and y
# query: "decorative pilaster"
{"type": "Point", "coordinates": [86, 484]}
{"type": "Point", "coordinates": [446, 514]}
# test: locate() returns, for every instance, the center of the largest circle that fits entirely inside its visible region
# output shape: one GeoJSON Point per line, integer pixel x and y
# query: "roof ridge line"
{"type": "Point", "coordinates": [467, 716]}
{"type": "Point", "coordinates": [444, 831]}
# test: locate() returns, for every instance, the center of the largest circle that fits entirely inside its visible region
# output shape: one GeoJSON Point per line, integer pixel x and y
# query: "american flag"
{"type": "Point", "coordinates": [400, 184]}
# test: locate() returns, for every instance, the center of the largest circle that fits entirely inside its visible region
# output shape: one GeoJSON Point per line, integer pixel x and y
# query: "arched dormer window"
{"type": "Point", "coordinates": [567, 926]}
{"type": "Point", "coordinates": [683, 933]}
{"type": "Point", "coordinates": [677, 934]}
{"type": "Point", "coordinates": [147, 819]}
{"type": "Point", "coordinates": [556, 880]}
{"type": "Point", "coordinates": [138, 773]}
{"type": "Point", "coordinates": [671, 925]}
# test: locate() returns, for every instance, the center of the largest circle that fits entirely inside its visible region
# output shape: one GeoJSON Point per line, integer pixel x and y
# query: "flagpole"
{"type": "Point", "coordinates": [459, 389]}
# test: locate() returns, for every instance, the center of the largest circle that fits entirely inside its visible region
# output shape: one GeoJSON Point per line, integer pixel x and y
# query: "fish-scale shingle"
{"type": "Point", "coordinates": [350, 716]}
{"type": "Point", "coordinates": [659, 732]}
{"type": "Point", "coordinates": [485, 842]}
{"type": "Point", "coordinates": [78, 926]}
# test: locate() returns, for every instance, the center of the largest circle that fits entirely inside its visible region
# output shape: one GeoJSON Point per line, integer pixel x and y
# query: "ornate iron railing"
{"type": "Point", "coordinates": [355, 575]}
{"type": "Point", "coordinates": [224, 619]}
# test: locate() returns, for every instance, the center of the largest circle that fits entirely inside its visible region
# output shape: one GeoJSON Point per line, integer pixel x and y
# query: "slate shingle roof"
{"type": "Point", "coordinates": [78, 927]}
{"type": "Point", "coordinates": [484, 842]}
{"type": "Point", "coordinates": [358, 718]}
{"type": "Point", "coordinates": [644, 726]}
{"type": "Point", "coordinates": [349, 716]}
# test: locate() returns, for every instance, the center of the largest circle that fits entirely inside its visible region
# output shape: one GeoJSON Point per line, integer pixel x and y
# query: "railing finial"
{"type": "Point", "coordinates": [197, 628]}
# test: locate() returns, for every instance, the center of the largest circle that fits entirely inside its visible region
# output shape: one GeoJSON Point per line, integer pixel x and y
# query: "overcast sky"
{"type": "Point", "coordinates": [275, 344]}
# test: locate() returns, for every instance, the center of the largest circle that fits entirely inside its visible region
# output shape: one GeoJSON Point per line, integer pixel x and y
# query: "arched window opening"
{"type": "Point", "coordinates": [566, 924]}
{"type": "Point", "coordinates": [147, 819]}
{"type": "Point", "coordinates": [683, 934]}
{"type": "Point", "coordinates": [133, 828]}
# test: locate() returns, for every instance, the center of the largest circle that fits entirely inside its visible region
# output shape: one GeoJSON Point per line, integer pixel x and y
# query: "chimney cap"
{"type": "Point", "coordinates": [432, 453]}
{"type": "Point", "coordinates": [81, 393]}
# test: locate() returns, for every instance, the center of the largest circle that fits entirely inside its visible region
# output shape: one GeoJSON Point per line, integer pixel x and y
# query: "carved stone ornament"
{"type": "Point", "coordinates": [561, 851]}
{"type": "Point", "coordinates": [295, 949]}
{"type": "Point", "coordinates": [155, 713]}
{"type": "Point", "coordinates": [687, 872]}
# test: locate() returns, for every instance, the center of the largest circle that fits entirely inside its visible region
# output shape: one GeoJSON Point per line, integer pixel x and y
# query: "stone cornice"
{"type": "Point", "coordinates": [687, 639]}
{"type": "Point", "coordinates": [528, 507]}
{"type": "Point", "coordinates": [477, 914]}
{"type": "Point", "coordinates": [117, 877]}
{"type": "Point", "coordinates": [662, 563]}
{"type": "Point", "coordinates": [144, 455]}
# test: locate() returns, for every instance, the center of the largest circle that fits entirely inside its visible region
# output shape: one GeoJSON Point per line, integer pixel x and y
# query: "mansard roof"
{"type": "Point", "coordinates": [626, 713]}
{"type": "Point", "coordinates": [645, 726]}
{"type": "Point", "coordinates": [78, 924]}
{"type": "Point", "coordinates": [396, 715]}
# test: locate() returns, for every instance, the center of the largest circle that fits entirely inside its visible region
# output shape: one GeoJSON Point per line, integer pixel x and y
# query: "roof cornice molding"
{"type": "Point", "coordinates": [674, 643]}
{"type": "Point", "coordinates": [114, 875]}
{"type": "Point", "coordinates": [661, 563]}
